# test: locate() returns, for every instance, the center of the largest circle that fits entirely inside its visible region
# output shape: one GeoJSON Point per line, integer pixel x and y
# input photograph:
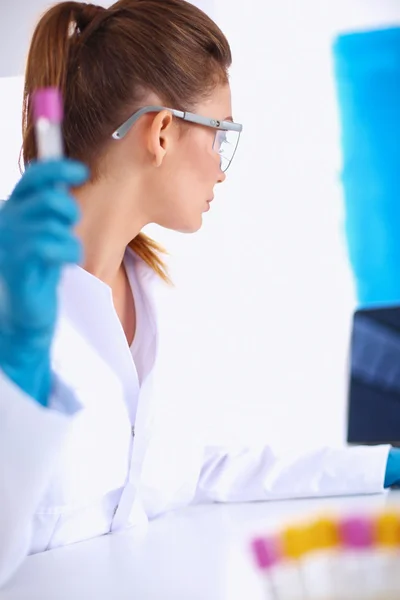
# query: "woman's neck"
{"type": "Point", "coordinates": [105, 229]}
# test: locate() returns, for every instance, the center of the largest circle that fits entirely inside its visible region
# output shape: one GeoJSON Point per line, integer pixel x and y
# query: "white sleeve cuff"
{"type": "Point", "coordinates": [29, 428]}
{"type": "Point", "coordinates": [62, 398]}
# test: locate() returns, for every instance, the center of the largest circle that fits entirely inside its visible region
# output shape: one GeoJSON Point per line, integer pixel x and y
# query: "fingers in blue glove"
{"type": "Point", "coordinates": [47, 203]}
{"type": "Point", "coordinates": [36, 240]}
{"type": "Point", "coordinates": [50, 174]}
{"type": "Point", "coordinates": [40, 236]}
{"type": "Point", "coordinates": [54, 251]}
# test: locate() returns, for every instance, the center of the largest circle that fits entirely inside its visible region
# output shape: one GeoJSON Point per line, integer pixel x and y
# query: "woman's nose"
{"type": "Point", "coordinates": [221, 177]}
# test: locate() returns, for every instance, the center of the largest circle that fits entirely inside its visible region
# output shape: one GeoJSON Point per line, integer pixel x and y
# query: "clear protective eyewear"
{"type": "Point", "coordinates": [226, 136]}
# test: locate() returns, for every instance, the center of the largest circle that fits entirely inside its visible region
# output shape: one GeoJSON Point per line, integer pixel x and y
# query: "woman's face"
{"type": "Point", "coordinates": [180, 186]}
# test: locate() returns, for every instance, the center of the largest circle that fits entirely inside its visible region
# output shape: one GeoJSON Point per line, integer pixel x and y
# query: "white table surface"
{"type": "Point", "coordinates": [199, 553]}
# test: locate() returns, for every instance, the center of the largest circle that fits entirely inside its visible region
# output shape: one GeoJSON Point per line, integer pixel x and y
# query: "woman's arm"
{"type": "Point", "coordinates": [250, 474]}
{"type": "Point", "coordinates": [36, 241]}
{"type": "Point", "coordinates": [31, 437]}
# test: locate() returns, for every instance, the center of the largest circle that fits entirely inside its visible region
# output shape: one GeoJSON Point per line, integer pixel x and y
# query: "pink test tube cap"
{"type": "Point", "coordinates": [266, 552]}
{"type": "Point", "coordinates": [356, 532]}
{"type": "Point", "coordinates": [47, 103]}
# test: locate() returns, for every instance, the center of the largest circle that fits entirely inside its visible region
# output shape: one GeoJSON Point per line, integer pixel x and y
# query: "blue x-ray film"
{"type": "Point", "coordinates": [367, 71]}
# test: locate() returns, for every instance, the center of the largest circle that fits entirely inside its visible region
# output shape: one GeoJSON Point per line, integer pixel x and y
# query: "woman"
{"type": "Point", "coordinates": [80, 454]}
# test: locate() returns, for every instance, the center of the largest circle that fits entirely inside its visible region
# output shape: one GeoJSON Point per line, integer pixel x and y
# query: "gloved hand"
{"type": "Point", "coordinates": [367, 67]}
{"type": "Point", "coordinates": [36, 240]}
{"type": "Point", "coordinates": [392, 475]}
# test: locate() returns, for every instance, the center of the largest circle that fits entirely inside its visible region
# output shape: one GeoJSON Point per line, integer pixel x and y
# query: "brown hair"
{"type": "Point", "coordinates": [105, 61]}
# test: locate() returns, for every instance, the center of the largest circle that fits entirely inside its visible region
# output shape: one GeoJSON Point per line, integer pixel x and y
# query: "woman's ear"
{"type": "Point", "coordinates": [159, 138]}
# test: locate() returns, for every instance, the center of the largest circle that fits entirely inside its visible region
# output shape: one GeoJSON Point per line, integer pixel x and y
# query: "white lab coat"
{"type": "Point", "coordinates": [97, 460]}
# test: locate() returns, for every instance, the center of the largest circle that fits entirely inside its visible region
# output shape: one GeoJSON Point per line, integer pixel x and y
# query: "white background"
{"type": "Point", "coordinates": [256, 331]}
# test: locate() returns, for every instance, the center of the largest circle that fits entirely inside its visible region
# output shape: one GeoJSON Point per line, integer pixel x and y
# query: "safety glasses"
{"type": "Point", "coordinates": [226, 136]}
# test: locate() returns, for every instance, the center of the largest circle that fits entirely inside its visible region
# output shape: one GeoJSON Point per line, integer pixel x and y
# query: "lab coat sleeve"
{"type": "Point", "coordinates": [250, 474]}
{"type": "Point", "coordinates": [31, 437]}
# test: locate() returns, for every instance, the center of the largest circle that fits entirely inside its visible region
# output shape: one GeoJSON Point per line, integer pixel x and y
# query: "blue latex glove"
{"type": "Point", "coordinates": [367, 67]}
{"type": "Point", "coordinates": [36, 240]}
{"type": "Point", "coordinates": [392, 475]}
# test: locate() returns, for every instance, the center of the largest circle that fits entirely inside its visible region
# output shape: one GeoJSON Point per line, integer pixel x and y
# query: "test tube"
{"type": "Point", "coordinates": [320, 566]}
{"type": "Point", "coordinates": [267, 554]}
{"type": "Point", "coordinates": [281, 560]}
{"type": "Point", "coordinates": [387, 538]}
{"type": "Point", "coordinates": [48, 115]}
{"type": "Point", "coordinates": [295, 542]}
{"type": "Point", "coordinates": [359, 575]}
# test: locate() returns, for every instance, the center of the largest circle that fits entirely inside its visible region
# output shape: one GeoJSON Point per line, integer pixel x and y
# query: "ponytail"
{"type": "Point", "coordinates": [49, 62]}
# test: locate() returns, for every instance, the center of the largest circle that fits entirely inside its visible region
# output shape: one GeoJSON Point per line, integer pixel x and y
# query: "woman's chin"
{"type": "Point", "coordinates": [189, 226]}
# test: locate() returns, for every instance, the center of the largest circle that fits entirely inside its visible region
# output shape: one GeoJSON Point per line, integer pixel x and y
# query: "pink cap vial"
{"type": "Point", "coordinates": [266, 552]}
{"type": "Point", "coordinates": [48, 104]}
{"type": "Point", "coordinates": [356, 532]}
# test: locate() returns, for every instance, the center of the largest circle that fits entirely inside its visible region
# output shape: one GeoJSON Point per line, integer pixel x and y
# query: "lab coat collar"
{"type": "Point", "coordinates": [86, 310]}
